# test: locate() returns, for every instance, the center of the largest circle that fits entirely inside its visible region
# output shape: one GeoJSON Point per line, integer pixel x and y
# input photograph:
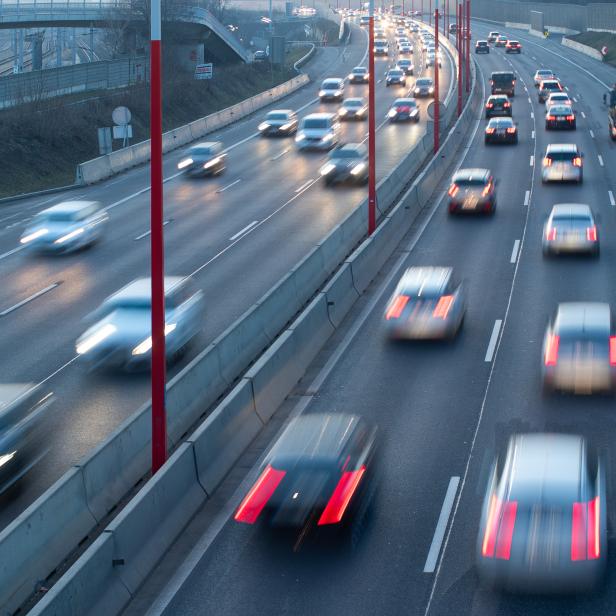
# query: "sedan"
{"type": "Point", "coordinates": [558, 98]}
{"type": "Point", "coordinates": [122, 334]}
{"type": "Point", "coordinates": [431, 58]}
{"type": "Point", "coordinates": [570, 228]}
{"type": "Point", "coordinates": [472, 191]}
{"type": "Point", "coordinates": [543, 525]}
{"type": "Point", "coordinates": [579, 349]}
{"type": "Point", "coordinates": [353, 109]}
{"type": "Point", "coordinates": [482, 47]}
{"type": "Point", "coordinates": [560, 116]}
{"type": "Point", "coordinates": [359, 75]}
{"type": "Point", "coordinates": [332, 89]}
{"type": "Point", "coordinates": [501, 41]}
{"type": "Point", "coordinates": [547, 87]}
{"type": "Point", "coordinates": [346, 163]}
{"type": "Point", "coordinates": [395, 77]}
{"type": "Point", "coordinates": [498, 105]}
{"type": "Point", "coordinates": [562, 163]}
{"type": "Point", "coordinates": [279, 122]}
{"type": "Point", "coordinates": [406, 66]}
{"type": "Point", "coordinates": [543, 74]}
{"type": "Point", "coordinates": [404, 109]}
{"type": "Point", "coordinates": [204, 159]}
{"type": "Point", "coordinates": [427, 303]}
{"type": "Point", "coordinates": [424, 87]}
{"type": "Point", "coordinates": [405, 49]}
{"type": "Point", "coordinates": [66, 227]}
{"type": "Point", "coordinates": [513, 47]}
{"type": "Point", "coordinates": [317, 477]}
{"type": "Point", "coordinates": [501, 130]}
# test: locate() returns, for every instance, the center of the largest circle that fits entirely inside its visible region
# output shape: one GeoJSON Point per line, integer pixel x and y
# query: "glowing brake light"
{"type": "Point", "coordinates": [570, 118]}
{"type": "Point", "coordinates": [551, 117]}
{"type": "Point", "coordinates": [498, 535]}
{"type": "Point", "coordinates": [551, 350]}
{"type": "Point", "coordinates": [453, 190]}
{"type": "Point", "coordinates": [486, 191]}
{"type": "Point", "coordinates": [396, 307]}
{"type": "Point", "coordinates": [591, 234]}
{"type": "Point", "coordinates": [507, 105]}
{"type": "Point", "coordinates": [585, 537]}
{"type": "Point", "coordinates": [511, 130]}
{"type": "Point", "coordinates": [489, 105]}
{"type": "Point", "coordinates": [341, 497]}
{"type": "Point", "coordinates": [547, 161]}
{"type": "Point", "coordinates": [255, 501]}
{"type": "Point", "coordinates": [490, 130]}
{"type": "Point", "coordinates": [577, 161]}
{"type": "Point", "coordinates": [443, 307]}
{"type": "Point", "coordinates": [613, 350]}
{"type": "Point", "coordinates": [550, 235]}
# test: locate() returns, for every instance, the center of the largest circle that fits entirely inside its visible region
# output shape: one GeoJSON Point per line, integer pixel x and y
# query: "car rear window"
{"type": "Point", "coordinates": [503, 77]}
{"type": "Point", "coordinates": [471, 182]}
{"type": "Point", "coordinates": [316, 123]}
{"type": "Point", "coordinates": [561, 155]}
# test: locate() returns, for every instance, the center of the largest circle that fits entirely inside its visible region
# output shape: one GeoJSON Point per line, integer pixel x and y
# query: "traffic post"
{"type": "Point", "coordinates": [459, 19]}
{"type": "Point", "coordinates": [157, 274]}
{"type": "Point", "coordinates": [371, 128]}
{"type": "Point", "coordinates": [468, 46]}
{"type": "Point", "coordinates": [436, 78]}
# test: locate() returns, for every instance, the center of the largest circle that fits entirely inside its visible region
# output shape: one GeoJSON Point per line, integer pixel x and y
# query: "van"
{"type": "Point", "coordinates": [503, 82]}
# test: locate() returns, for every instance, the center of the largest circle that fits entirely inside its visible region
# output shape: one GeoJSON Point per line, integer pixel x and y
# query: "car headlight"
{"type": "Point", "coordinates": [431, 90]}
{"type": "Point", "coordinates": [211, 163]}
{"type": "Point", "coordinates": [146, 345]}
{"type": "Point", "coordinates": [286, 126]}
{"type": "Point", "coordinates": [414, 112]}
{"type": "Point", "coordinates": [7, 457]}
{"type": "Point", "coordinates": [391, 113]}
{"type": "Point", "coordinates": [96, 338]}
{"type": "Point", "coordinates": [327, 169]}
{"type": "Point", "coordinates": [342, 111]}
{"type": "Point", "coordinates": [357, 169]}
{"type": "Point", "coordinates": [185, 163]}
{"type": "Point", "coordinates": [70, 236]}
{"type": "Point", "coordinates": [300, 136]}
{"type": "Point", "coordinates": [263, 126]}
{"type": "Point", "coordinates": [33, 236]}
{"type": "Point", "coordinates": [366, 77]}
{"type": "Point", "coordinates": [417, 91]}
{"type": "Point", "coordinates": [337, 92]}
{"type": "Point", "coordinates": [322, 92]}
{"type": "Point", "coordinates": [327, 137]}
{"type": "Point", "coordinates": [351, 76]}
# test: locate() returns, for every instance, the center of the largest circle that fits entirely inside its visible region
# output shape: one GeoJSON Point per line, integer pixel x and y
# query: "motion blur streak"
{"type": "Point", "coordinates": [257, 498]}
{"type": "Point", "coordinates": [333, 512]}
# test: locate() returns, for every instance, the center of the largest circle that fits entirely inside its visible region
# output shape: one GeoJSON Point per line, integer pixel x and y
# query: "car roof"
{"type": "Point", "coordinates": [319, 116]}
{"type": "Point", "coordinates": [332, 80]}
{"type": "Point", "coordinates": [394, 70]}
{"type": "Point", "coordinates": [545, 468]}
{"type": "Point", "coordinates": [571, 209]}
{"type": "Point", "coordinates": [355, 99]}
{"type": "Point", "coordinates": [560, 93]}
{"type": "Point", "coordinates": [471, 174]}
{"type": "Point", "coordinates": [140, 288]}
{"type": "Point", "coordinates": [68, 207]}
{"type": "Point", "coordinates": [428, 281]}
{"type": "Point", "coordinates": [500, 120]}
{"type": "Point", "coordinates": [562, 147]}
{"type": "Point", "coordinates": [549, 81]}
{"type": "Point", "coordinates": [404, 61]}
{"type": "Point", "coordinates": [482, 42]}
{"type": "Point", "coordinates": [498, 96]}
{"type": "Point", "coordinates": [510, 41]}
{"type": "Point", "coordinates": [544, 71]}
{"type": "Point", "coordinates": [404, 101]}
{"type": "Point", "coordinates": [360, 147]}
{"type": "Point", "coordinates": [360, 68]}
{"type": "Point", "coordinates": [560, 108]}
{"type": "Point", "coordinates": [206, 144]}
{"type": "Point", "coordinates": [287, 111]}
{"type": "Point", "coordinates": [583, 318]}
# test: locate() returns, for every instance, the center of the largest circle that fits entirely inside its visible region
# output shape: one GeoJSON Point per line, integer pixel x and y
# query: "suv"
{"type": "Point", "coordinates": [493, 36]}
{"type": "Point", "coordinates": [503, 82]}
{"type": "Point", "coordinates": [317, 131]}
{"type": "Point", "coordinates": [482, 47]}
{"type": "Point", "coordinates": [498, 105]}
{"type": "Point", "coordinates": [513, 47]}
{"type": "Point", "coordinates": [562, 163]}
{"type": "Point", "coordinates": [332, 90]}
{"type": "Point", "coordinates": [547, 87]}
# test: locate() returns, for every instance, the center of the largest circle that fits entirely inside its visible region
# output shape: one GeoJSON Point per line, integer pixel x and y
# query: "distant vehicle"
{"type": "Point", "coordinates": [543, 525]}
{"type": "Point", "coordinates": [570, 228]}
{"type": "Point", "coordinates": [430, 59]}
{"type": "Point", "coordinates": [359, 75]}
{"type": "Point", "coordinates": [503, 82]}
{"type": "Point", "coordinates": [317, 131]}
{"type": "Point", "coordinates": [318, 476]}
{"type": "Point", "coordinates": [453, 28]}
{"type": "Point", "coordinates": [579, 349]}
{"type": "Point", "coordinates": [482, 47]}
{"type": "Point", "coordinates": [543, 74]}
{"type": "Point", "coordinates": [203, 159]}
{"type": "Point", "coordinates": [611, 123]}
{"type": "Point", "coordinates": [472, 191]}
{"type": "Point", "coordinates": [404, 109]}
{"type": "Point", "coordinates": [121, 337]}
{"type": "Point", "coordinates": [560, 116]}
{"type": "Point", "coordinates": [493, 36]}
{"type": "Point", "coordinates": [405, 49]}
{"type": "Point", "coordinates": [346, 163]}
{"type": "Point", "coordinates": [558, 98]}
{"type": "Point", "coordinates": [498, 105]}
{"type": "Point", "coordinates": [428, 303]}
{"type": "Point", "coordinates": [66, 227]}
{"type": "Point", "coordinates": [501, 130]}
{"type": "Point", "coordinates": [562, 163]}
{"type": "Point", "coordinates": [332, 89]}
{"type": "Point", "coordinates": [501, 41]}
{"type": "Point", "coordinates": [513, 47]}
{"type": "Point", "coordinates": [279, 122]}
{"type": "Point", "coordinates": [23, 437]}
{"type": "Point", "coordinates": [381, 47]}
{"type": "Point", "coordinates": [395, 77]}
{"type": "Point", "coordinates": [353, 109]}
{"type": "Point", "coordinates": [406, 66]}
{"type": "Point", "coordinates": [364, 21]}
{"type": "Point", "coordinates": [547, 87]}
{"type": "Point", "coordinates": [260, 56]}
{"type": "Point", "coordinates": [424, 87]}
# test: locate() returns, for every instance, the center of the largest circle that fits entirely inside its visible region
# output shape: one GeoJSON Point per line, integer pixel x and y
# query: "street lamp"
{"type": "Point", "coordinates": [436, 79]}
{"type": "Point", "coordinates": [460, 42]}
{"type": "Point", "coordinates": [371, 127]}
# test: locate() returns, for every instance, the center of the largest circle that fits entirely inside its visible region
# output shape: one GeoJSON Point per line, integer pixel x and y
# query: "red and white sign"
{"type": "Point", "coordinates": [204, 71]}
{"type": "Point", "coordinates": [604, 50]}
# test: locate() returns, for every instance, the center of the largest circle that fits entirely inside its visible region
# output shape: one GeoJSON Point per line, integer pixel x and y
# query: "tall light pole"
{"type": "Point", "coordinates": [371, 128]}
{"type": "Point", "coordinates": [468, 46]}
{"type": "Point", "coordinates": [460, 41]}
{"type": "Point", "coordinates": [159, 419]}
{"type": "Point", "coordinates": [436, 78]}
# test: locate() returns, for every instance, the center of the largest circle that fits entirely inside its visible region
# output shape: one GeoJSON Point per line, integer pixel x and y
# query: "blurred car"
{"type": "Point", "coordinates": [359, 75]}
{"type": "Point", "coordinates": [405, 49]}
{"type": "Point", "coordinates": [319, 475]}
{"type": "Point", "coordinates": [406, 66]}
{"type": "Point", "coordinates": [204, 159]}
{"type": "Point", "coordinates": [547, 87]}
{"type": "Point", "coordinates": [579, 349]}
{"type": "Point", "coordinates": [332, 89]}
{"type": "Point", "coordinates": [364, 20]}
{"type": "Point", "coordinates": [453, 28]}
{"type": "Point", "coordinates": [472, 191]}
{"type": "Point", "coordinates": [493, 36]}
{"type": "Point", "coordinates": [542, 74]}
{"type": "Point", "coordinates": [562, 163]}
{"type": "Point", "coordinates": [501, 41]}
{"type": "Point", "coordinates": [68, 226]}
{"type": "Point", "coordinates": [503, 82]}
{"type": "Point", "coordinates": [353, 109]}
{"type": "Point", "coordinates": [279, 122]}
{"type": "Point", "coordinates": [513, 47]}
{"type": "Point", "coordinates": [482, 47]}
{"type": "Point", "coordinates": [498, 105]}
{"type": "Point", "coordinates": [558, 98]}
{"type": "Point", "coordinates": [560, 116]}
{"type": "Point", "coordinates": [431, 58]}
{"type": "Point", "coordinates": [395, 77]}
{"type": "Point", "coordinates": [317, 131]}
{"type": "Point", "coordinates": [23, 436]}
{"type": "Point", "coordinates": [404, 109]}
{"type": "Point", "coordinates": [569, 228]}
{"type": "Point", "coordinates": [259, 56]}
{"type": "Point", "coordinates": [543, 521]}
{"type": "Point", "coordinates": [424, 87]}
{"type": "Point", "coordinates": [346, 163]}
{"type": "Point", "coordinates": [428, 303]}
{"type": "Point", "coordinates": [501, 130]}
{"type": "Point", "coordinates": [381, 47]}
{"type": "Point", "coordinates": [121, 336]}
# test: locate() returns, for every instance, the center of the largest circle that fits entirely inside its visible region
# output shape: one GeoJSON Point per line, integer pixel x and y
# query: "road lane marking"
{"type": "Point", "coordinates": [246, 228]}
{"type": "Point", "coordinates": [514, 252]}
{"type": "Point", "coordinates": [12, 252]}
{"type": "Point", "coordinates": [610, 194]}
{"type": "Point", "coordinates": [32, 297]}
{"type": "Point", "coordinates": [600, 159]}
{"type": "Point", "coordinates": [567, 88]}
{"type": "Point", "coordinates": [441, 525]}
{"type": "Point", "coordinates": [493, 340]}
{"type": "Point", "coordinates": [530, 100]}
{"type": "Point", "coordinates": [280, 155]}
{"type": "Point", "coordinates": [532, 161]}
{"type": "Point", "coordinates": [304, 185]}
{"type": "Point", "coordinates": [583, 114]}
{"type": "Point", "coordinates": [527, 197]}
{"type": "Point", "coordinates": [575, 100]}
{"type": "Point", "coordinates": [592, 134]}
{"type": "Point", "coordinates": [532, 115]}
{"type": "Point", "coordinates": [533, 57]}
{"type": "Point", "coordinates": [146, 233]}
{"type": "Point", "coordinates": [532, 135]}
{"type": "Point", "coordinates": [220, 190]}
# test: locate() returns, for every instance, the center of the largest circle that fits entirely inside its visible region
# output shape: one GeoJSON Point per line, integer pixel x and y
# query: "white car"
{"type": "Point", "coordinates": [318, 131]}
{"type": "Point", "coordinates": [558, 98]}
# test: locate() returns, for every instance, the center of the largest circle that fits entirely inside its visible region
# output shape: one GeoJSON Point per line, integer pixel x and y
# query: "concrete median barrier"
{"type": "Point", "coordinates": [340, 294]}
{"type": "Point", "coordinates": [284, 293]}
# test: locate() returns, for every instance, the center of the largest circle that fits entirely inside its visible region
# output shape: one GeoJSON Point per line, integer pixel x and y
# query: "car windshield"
{"type": "Point", "coordinates": [360, 71]}
{"type": "Point", "coordinates": [315, 123]}
{"type": "Point", "coordinates": [277, 115]}
{"type": "Point", "coordinates": [353, 102]}
{"type": "Point", "coordinates": [405, 102]}
{"type": "Point", "coordinates": [200, 151]}
{"type": "Point", "coordinates": [395, 73]}
{"type": "Point", "coordinates": [59, 216]}
{"type": "Point", "coordinates": [424, 82]}
{"type": "Point", "coordinates": [347, 153]}
{"type": "Point", "coordinates": [331, 85]}
{"type": "Point", "coordinates": [562, 155]}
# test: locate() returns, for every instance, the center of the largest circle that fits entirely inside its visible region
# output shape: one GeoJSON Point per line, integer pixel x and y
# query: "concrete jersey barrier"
{"type": "Point", "coordinates": [585, 49]}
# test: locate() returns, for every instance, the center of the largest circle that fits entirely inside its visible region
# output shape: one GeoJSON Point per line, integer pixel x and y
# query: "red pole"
{"type": "Point", "coordinates": [436, 78]}
{"type": "Point", "coordinates": [468, 46]}
{"type": "Point", "coordinates": [371, 131]}
{"type": "Point", "coordinates": [159, 420]}
{"type": "Point", "coordinates": [459, 20]}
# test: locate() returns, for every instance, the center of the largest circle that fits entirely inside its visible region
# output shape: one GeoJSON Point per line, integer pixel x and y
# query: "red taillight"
{"type": "Point", "coordinates": [511, 130]}
{"type": "Point", "coordinates": [613, 350]}
{"type": "Point", "coordinates": [499, 529]}
{"type": "Point", "coordinates": [577, 161]}
{"type": "Point", "coordinates": [396, 307]}
{"type": "Point", "coordinates": [254, 502]}
{"type": "Point", "coordinates": [341, 497]}
{"type": "Point", "coordinates": [551, 117]}
{"type": "Point", "coordinates": [490, 130]}
{"type": "Point", "coordinates": [453, 190]}
{"type": "Point", "coordinates": [486, 191]}
{"type": "Point", "coordinates": [489, 105]}
{"type": "Point", "coordinates": [547, 161]}
{"type": "Point", "coordinates": [507, 105]}
{"type": "Point", "coordinates": [591, 234]}
{"type": "Point", "coordinates": [443, 307]}
{"type": "Point", "coordinates": [585, 536]}
{"type": "Point", "coordinates": [550, 235]}
{"type": "Point", "coordinates": [570, 118]}
{"type": "Point", "coordinates": [551, 350]}
{"type": "Point", "coordinates": [505, 532]}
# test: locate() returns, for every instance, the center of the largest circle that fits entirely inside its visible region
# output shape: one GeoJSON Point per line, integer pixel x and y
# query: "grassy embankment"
{"type": "Point", "coordinates": [598, 40]}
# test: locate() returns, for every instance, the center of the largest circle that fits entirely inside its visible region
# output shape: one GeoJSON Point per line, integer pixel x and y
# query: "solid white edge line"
{"type": "Point", "coordinates": [610, 194]}
{"type": "Point", "coordinates": [527, 197]}
{"type": "Point", "coordinates": [441, 525]}
{"type": "Point", "coordinates": [493, 340]}
{"type": "Point", "coordinates": [583, 114]}
{"type": "Point", "coordinates": [532, 134]}
{"type": "Point", "coordinates": [304, 185]}
{"type": "Point", "coordinates": [600, 159]}
{"type": "Point", "coordinates": [530, 100]}
{"type": "Point", "coordinates": [532, 115]}
{"type": "Point", "coordinates": [23, 302]}
{"type": "Point", "coordinates": [249, 226]}
{"type": "Point", "coordinates": [532, 161]}
{"type": "Point", "coordinates": [12, 252]}
{"type": "Point", "coordinates": [592, 134]}
{"type": "Point", "coordinates": [514, 252]}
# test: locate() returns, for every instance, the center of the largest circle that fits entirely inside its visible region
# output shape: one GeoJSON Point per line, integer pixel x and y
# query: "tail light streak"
{"type": "Point", "coordinates": [255, 501]}
{"type": "Point", "coordinates": [341, 497]}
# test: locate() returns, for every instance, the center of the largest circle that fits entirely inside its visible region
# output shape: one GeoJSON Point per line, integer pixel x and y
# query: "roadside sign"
{"type": "Point", "coordinates": [604, 50]}
{"type": "Point", "coordinates": [204, 71]}
{"type": "Point", "coordinates": [430, 109]}
{"type": "Point", "coordinates": [121, 116]}
{"type": "Point", "coordinates": [125, 132]}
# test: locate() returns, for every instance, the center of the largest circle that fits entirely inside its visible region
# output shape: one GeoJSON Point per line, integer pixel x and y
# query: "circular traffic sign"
{"type": "Point", "coordinates": [430, 111]}
{"type": "Point", "coordinates": [121, 116]}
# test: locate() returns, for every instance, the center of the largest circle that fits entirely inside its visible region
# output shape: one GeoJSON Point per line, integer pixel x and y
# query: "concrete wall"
{"type": "Point", "coordinates": [585, 49]}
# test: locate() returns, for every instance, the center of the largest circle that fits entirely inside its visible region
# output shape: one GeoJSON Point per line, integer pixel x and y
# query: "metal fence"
{"type": "Point", "coordinates": [38, 85]}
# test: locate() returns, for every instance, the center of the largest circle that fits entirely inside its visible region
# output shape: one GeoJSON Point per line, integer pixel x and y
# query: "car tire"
{"type": "Point", "coordinates": [547, 126]}
{"type": "Point", "coordinates": [596, 253]}
{"type": "Point", "coordinates": [574, 126]}
{"type": "Point", "coordinates": [487, 116]}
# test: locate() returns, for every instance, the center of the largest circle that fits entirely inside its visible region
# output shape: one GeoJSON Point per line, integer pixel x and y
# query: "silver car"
{"type": "Point", "coordinates": [424, 87]}
{"type": "Point", "coordinates": [541, 74]}
{"type": "Point", "coordinates": [317, 131]}
{"type": "Point", "coordinates": [66, 227]}
{"type": "Point", "coordinates": [121, 337]}
{"type": "Point", "coordinates": [353, 109]}
{"type": "Point", "coordinates": [543, 525]}
{"type": "Point", "coordinates": [570, 228]}
{"type": "Point", "coordinates": [395, 77]}
{"type": "Point", "coordinates": [346, 163]}
{"type": "Point", "coordinates": [279, 122]}
{"type": "Point", "coordinates": [579, 349]}
{"type": "Point", "coordinates": [428, 303]}
{"type": "Point", "coordinates": [562, 163]}
{"type": "Point", "coordinates": [332, 89]}
{"type": "Point", "coordinates": [203, 159]}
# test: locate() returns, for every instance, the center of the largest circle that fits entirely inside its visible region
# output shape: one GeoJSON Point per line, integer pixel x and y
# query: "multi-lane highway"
{"type": "Point", "coordinates": [443, 410]}
{"type": "Point", "coordinates": [236, 235]}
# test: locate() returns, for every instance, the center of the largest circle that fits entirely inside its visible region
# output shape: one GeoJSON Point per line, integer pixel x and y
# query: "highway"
{"type": "Point", "coordinates": [236, 234]}
{"type": "Point", "coordinates": [443, 410]}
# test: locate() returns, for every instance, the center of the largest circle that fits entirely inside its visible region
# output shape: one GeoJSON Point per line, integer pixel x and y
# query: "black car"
{"type": "Point", "coordinates": [404, 109]}
{"type": "Point", "coordinates": [203, 159]}
{"type": "Point", "coordinates": [560, 116]}
{"type": "Point", "coordinates": [498, 105]}
{"type": "Point", "coordinates": [359, 75]}
{"type": "Point", "coordinates": [406, 66]}
{"type": "Point", "coordinates": [318, 475]}
{"type": "Point", "coordinates": [346, 163]}
{"type": "Point", "coordinates": [503, 82]}
{"type": "Point", "coordinates": [501, 130]}
{"type": "Point", "coordinates": [482, 47]}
